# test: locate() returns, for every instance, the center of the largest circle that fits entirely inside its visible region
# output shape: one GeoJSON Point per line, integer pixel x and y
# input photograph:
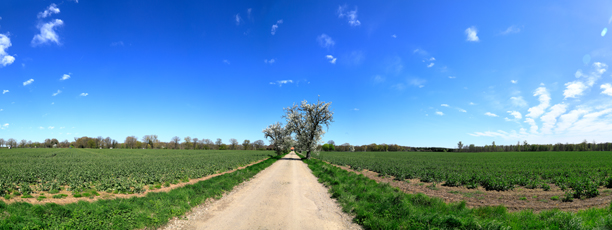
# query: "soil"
{"type": "Point", "coordinates": [283, 196]}
{"type": "Point", "coordinates": [105, 195]}
{"type": "Point", "coordinates": [518, 199]}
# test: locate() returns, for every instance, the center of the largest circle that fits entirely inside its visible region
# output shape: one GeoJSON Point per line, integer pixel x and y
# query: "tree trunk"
{"type": "Point", "coordinates": [308, 154]}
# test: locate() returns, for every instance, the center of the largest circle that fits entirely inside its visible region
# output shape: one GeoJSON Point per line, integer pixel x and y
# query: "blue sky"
{"type": "Point", "coordinates": [417, 73]}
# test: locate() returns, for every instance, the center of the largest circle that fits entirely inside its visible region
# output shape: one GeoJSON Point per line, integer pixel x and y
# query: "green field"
{"type": "Point", "coordinates": [580, 173]}
{"type": "Point", "coordinates": [116, 170]}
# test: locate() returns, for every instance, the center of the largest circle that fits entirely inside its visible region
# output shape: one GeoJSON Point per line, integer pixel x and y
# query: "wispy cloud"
{"type": "Point", "coordinates": [533, 126]}
{"type": "Point", "coordinates": [511, 30]}
{"type": "Point", "coordinates": [356, 109]}
{"type": "Point", "coordinates": [472, 34]}
{"type": "Point", "coordinates": [379, 79]}
{"type": "Point", "coordinates": [444, 105]}
{"type": "Point", "coordinates": [606, 87]}
{"type": "Point", "coordinates": [585, 81]}
{"type": "Point", "coordinates": [51, 127]}
{"type": "Point", "coordinates": [281, 82]}
{"type": "Point", "coordinates": [513, 81]}
{"type": "Point", "coordinates": [544, 98]}
{"type": "Point", "coordinates": [275, 26]}
{"type": "Point", "coordinates": [28, 82]}
{"type": "Point", "coordinates": [65, 77]}
{"type": "Point", "coordinates": [52, 9]}
{"type": "Point", "coordinates": [83, 94]}
{"type": "Point", "coordinates": [518, 101]}
{"type": "Point", "coordinates": [490, 114]}
{"type": "Point", "coordinates": [238, 19]}
{"type": "Point", "coordinates": [41, 127]}
{"type": "Point", "coordinates": [516, 114]}
{"type": "Point", "coordinates": [394, 36]}
{"type": "Point", "coordinates": [5, 43]}
{"type": "Point", "coordinates": [452, 77]}
{"type": "Point", "coordinates": [118, 43]}
{"type": "Point", "coordinates": [417, 82]}
{"type": "Point", "coordinates": [325, 41]}
{"type": "Point", "coordinates": [351, 16]}
{"type": "Point", "coordinates": [6, 125]}
{"type": "Point", "coordinates": [430, 65]}
{"type": "Point", "coordinates": [549, 119]}
{"type": "Point", "coordinates": [226, 61]}
{"type": "Point", "coordinates": [271, 61]}
{"type": "Point", "coordinates": [47, 33]}
{"type": "Point", "coordinates": [331, 59]}
{"type": "Point", "coordinates": [439, 113]}
{"type": "Point", "coordinates": [58, 92]}
{"type": "Point", "coordinates": [5, 91]}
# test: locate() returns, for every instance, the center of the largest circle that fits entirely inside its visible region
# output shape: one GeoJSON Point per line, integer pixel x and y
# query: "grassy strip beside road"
{"type": "Point", "coordinates": [153, 210]}
{"type": "Point", "coordinates": [381, 206]}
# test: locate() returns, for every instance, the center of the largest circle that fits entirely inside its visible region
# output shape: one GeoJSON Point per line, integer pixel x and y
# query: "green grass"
{"type": "Point", "coordinates": [381, 206]}
{"type": "Point", "coordinates": [582, 172]}
{"type": "Point", "coordinates": [59, 196]}
{"type": "Point", "coordinates": [151, 211]}
{"type": "Point", "coordinates": [125, 170]}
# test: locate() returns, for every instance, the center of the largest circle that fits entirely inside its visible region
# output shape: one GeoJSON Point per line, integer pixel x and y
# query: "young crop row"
{"type": "Point", "coordinates": [126, 171]}
{"type": "Point", "coordinates": [579, 173]}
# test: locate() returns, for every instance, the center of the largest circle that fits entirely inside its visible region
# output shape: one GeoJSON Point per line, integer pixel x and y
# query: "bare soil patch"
{"type": "Point", "coordinates": [520, 198]}
{"type": "Point", "coordinates": [105, 195]}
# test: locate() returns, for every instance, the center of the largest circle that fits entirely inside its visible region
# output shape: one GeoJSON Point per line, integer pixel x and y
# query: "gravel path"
{"type": "Point", "coordinates": [283, 196]}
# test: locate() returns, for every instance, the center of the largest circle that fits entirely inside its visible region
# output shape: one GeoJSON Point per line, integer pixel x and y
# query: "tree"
{"type": "Point", "coordinates": [2, 142]}
{"type": "Point", "coordinates": [233, 143]}
{"type": "Point", "coordinates": [23, 143]}
{"type": "Point", "coordinates": [460, 145]}
{"type": "Point", "coordinates": [219, 142]}
{"type": "Point", "coordinates": [277, 135]}
{"type": "Point", "coordinates": [259, 144]}
{"type": "Point", "coordinates": [246, 143]}
{"type": "Point", "coordinates": [187, 142]}
{"type": "Point", "coordinates": [352, 148]}
{"type": "Point", "coordinates": [11, 142]}
{"type": "Point", "coordinates": [525, 146]}
{"type": "Point", "coordinates": [208, 144]}
{"type": "Point", "coordinates": [195, 143]}
{"type": "Point", "coordinates": [175, 141]}
{"type": "Point", "coordinates": [130, 142]}
{"type": "Point", "coordinates": [306, 121]}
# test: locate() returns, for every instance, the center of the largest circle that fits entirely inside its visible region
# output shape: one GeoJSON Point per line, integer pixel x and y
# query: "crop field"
{"type": "Point", "coordinates": [580, 174]}
{"type": "Point", "coordinates": [24, 171]}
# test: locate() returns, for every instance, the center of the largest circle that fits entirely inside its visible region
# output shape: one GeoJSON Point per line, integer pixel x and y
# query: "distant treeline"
{"type": "Point", "coordinates": [519, 147]}
{"type": "Point", "coordinates": [146, 142]}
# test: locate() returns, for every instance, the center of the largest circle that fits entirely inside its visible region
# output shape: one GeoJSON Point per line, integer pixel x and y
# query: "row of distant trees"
{"type": "Point", "coordinates": [526, 147]}
{"type": "Point", "coordinates": [132, 142]}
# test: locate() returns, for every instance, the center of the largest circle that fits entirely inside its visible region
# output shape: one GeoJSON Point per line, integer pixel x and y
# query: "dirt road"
{"type": "Point", "coordinates": [284, 196]}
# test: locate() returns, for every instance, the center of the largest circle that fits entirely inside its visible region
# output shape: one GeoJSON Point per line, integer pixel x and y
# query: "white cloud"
{"type": "Point", "coordinates": [511, 30]}
{"type": "Point", "coordinates": [379, 78]}
{"type": "Point", "coordinates": [238, 19]}
{"type": "Point", "coordinates": [462, 110]}
{"type": "Point", "coordinates": [5, 91]}
{"type": "Point", "coordinates": [4, 126]}
{"type": "Point", "coordinates": [549, 119]}
{"type": "Point", "coordinates": [472, 34]}
{"type": "Point", "coordinates": [83, 94]}
{"type": "Point", "coordinates": [351, 16]}
{"type": "Point", "coordinates": [568, 119]}
{"type": "Point", "coordinates": [325, 41]}
{"type": "Point", "coordinates": [119, 43]}
{"type": "Point", "coordinates": [226, 61]}
{"type": "Point", "coordinates": [513, 81]}
{"type": "Point", "coordinates": [534, 127]}
{"type": "Point", "coordinates": [331, 59]}
{"type": "Point", "coordinates": [51, 127]}
{"type": "Point", "coordinates": [518, 101]}
{"type": "Point", "coordinates": [444, 105]}
{"type": "Point", "coordinates": [271, 61]}
{"type": "Point", "coordinates": [281, 82]}
{"type": "Point", "coordinates": [62, 127]}
{"type": "Point", "coordinates": [356, 109]}
{"type": "Point", "coordinates": [5, 43]}
{"type": "Point", "coordinates": [41, 127]}
{"type": "Point", "coordinates": [28, 82]}
{"type": "Point", "coordinates": [516, 114]}
{"type": "Point", "coordinates": [452, 77]}
{"type": "Point", "coordinates": [574, 89]}
{"type": "Point", "coordinates": [439, 113]}
{"type": "Point", "coordinates": [606, 87]}
{"type": "Point", "coordinates": [47, 33]}
{"type": "Point", "coordinates": [58, 92]}
{"type": "Point", "coordinates": [394, 36]}
{"type": "Point", "coordinates": [417, 82]}
{"type": "Point", "coordinates": [275, 26]}
{"type": "Point", "coordinates": [430, 65]}
{"type": "Point", "coordinates": [544, 98]}
{"type": "Point", "coordinates": [490, 114]}
{"type": "Point", "coordinates": [52, 9]}
{"type": "Point", "coordinates": [65, 77]}
{"type": "Point", "coordinates": [472, 103]}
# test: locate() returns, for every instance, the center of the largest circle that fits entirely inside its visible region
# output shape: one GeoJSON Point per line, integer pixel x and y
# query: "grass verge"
{"type": "Point", "coordinates": [381, 206]}
{"type": "Point", "coordinates": [153, 210]}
